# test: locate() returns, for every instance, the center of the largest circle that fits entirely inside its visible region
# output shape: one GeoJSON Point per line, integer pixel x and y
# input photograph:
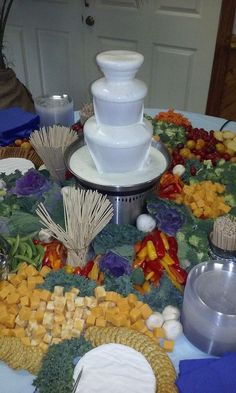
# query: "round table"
{"type": "Point", "coordinates": [21, 381]}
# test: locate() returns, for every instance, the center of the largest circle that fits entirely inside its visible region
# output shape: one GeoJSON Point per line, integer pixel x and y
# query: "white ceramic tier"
{"type": "Point", "coordinates": [118, 98]}
{"type": "Point", "coordinates": [82, 165]}
{"type": "Point", "coordinates": [119, 64]}
{"type": "Point", "coordinates": [118, 149]}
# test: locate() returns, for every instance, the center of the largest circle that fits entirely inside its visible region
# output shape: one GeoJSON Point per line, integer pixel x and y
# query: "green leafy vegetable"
{"type": "Point", "coordinates": [113, 236]}
{"type": "Point", "coordinates": [69, 281]}
{"type": "Point", "coordinates": [56, 373]}
{"type": "Point", "coordinates": [165, 294]}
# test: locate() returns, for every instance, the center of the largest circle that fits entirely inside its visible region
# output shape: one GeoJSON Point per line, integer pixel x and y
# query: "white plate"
{"type": "Point", "coordinates": [115, 368]}
{"type": "Point", "coordinates": [10, 165]}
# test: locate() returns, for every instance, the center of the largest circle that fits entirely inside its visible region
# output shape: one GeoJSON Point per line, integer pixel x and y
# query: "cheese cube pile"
{"type": "Point", "coordinates": [41, 318]}
{"type": "Point", "coordinates": [114, 310]}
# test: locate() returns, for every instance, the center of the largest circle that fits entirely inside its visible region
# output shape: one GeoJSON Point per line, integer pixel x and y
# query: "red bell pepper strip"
{"type": "Point", "coordinates": [170, 185]}
{"type": "Point", "coordinates": [174, 256]}
{"type": "Point", "coordinates": [87, 269]}
{"type": "Point", "coordinates": [179, 273]}
{"type": "Point", "coordinates": [158, 243]}
{"type": "Point", "coordinates": [155, 267]}
{"type": "Point", "coordinates": [137, 246]}
{"type": "Point", "coordinates": [173, 244]}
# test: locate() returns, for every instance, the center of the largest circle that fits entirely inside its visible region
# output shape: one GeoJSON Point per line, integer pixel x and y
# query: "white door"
{"type": "Point", "coordinates": [176, 37]}
{"type": "Point", "coordinates": [52, 50]}
{"type": "Point", "coordinates": [44, 45]}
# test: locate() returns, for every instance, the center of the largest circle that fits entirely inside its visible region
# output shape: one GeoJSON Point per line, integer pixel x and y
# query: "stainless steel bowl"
{"type": "Point", "coordinates": [128, 201]}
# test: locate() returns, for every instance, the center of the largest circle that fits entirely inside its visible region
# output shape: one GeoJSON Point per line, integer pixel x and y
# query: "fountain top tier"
{"type": "Point", "coordinates": [119, 64]}
{"type": "Point", "coordinates": [118, 137]}
{"type": "Point", "coordinates": [118, 98]}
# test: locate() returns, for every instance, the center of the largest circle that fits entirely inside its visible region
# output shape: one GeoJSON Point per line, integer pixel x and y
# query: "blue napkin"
{"type": "Point", "coordinates": [208, 375]}
{"type": "Point", "coordinates": [15, 123]}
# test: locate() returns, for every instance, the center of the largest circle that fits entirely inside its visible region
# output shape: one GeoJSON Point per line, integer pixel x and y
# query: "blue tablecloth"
{"type": "Point", "coordinates": [20, 382]}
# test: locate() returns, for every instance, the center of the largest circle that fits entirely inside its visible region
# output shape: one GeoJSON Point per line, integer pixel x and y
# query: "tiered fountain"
{"type": "Point", "coordinates": [118, 157]}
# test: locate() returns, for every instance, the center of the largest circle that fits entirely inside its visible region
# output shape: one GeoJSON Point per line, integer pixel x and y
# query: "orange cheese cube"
{"type": "Point", "coordinates": [13, 298]}
{"type": "Point", "coordinates": [127, 323]}
{"type": "Point", "coordinates": [19, 332]}
{"type": "Point", "coordinates": [110, 312]}
{"type": "Point", "coordinates": [34, 302]}
{"type": "Point", "coordinates": [13, 309]}
{"type": "Point", "coordinates": [9, 321]}
{"type": "Point", "coordinates": [4, 293]}
{"type": "Point", "coordinates": [15, 279]}
{"type": "Point", "coordinates": [100, 321]}
{"type": "Point", "coordinates": [25, 313]}
{"type": "Point", "coordinates": [43, 346]}
{"type": "Point", "coordinates": [112, 296]}
{"type": "Point", "coordinates": [24, 301]}
{"type": "Point", "coordinates": [3, 316]}
{"type": "Point", "coordinates": [56, 340]}
{"type": "Point", "coordinates": [97, 311]}
{"type": "Point", "coordinates": [45, 295]}
{"type": "Point", "coordinates": [123, 304]}
{"type": "Point", "coordinates": [146, 311]}
{"type": "Point", "coordinates": [39, 314]}
{"type": "Point", "coordinates": [139, 326]}
{"type": "Point", "coordinates": [135, 314]}
{"type": "Point", "coordinates": [23, 290]}
{"type": "Point", "coordinates": [44, 271]}
{"type": "Point", "coordinates": [168, 345]}
{"type": "Point", "coordinates": [132, 299]}
{"type": "Point", "coordinates": [3, 308]}
{"type": "Point", "coordinates": [56, 330]}
{"type": "Point", "coordinates": [5, 332]}
{"type": "Point", "coordinates": [30, 270]}
{"type": "Point", "coordinates": [158, 332]}
{"type": "Point", "coordinates": [118, 320]}
{"type": "Point", "coordinates": [90, 321]}
{"type": "Point", "coordinates": [26, 341]}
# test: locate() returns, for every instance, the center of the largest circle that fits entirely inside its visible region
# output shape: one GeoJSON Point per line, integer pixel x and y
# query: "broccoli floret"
{"type": "Point", "coordinates": [208, 164]}
{"type": "Point", "coordinates": [230, 199]}
{"type": "Point", "coordinates": [180, 236]}
{"type": "Point", "coordinates": [198, 242]}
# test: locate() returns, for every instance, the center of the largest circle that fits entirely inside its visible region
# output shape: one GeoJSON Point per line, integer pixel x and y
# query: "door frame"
{"type": "Point", "coordinates": [221, 57]}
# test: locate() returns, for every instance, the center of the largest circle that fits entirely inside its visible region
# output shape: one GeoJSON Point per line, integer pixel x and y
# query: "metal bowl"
{"type": "Point", "coordinates": [128, 201]}
{"type": "Point", "coordinates": [209, 307]}
{"type": "Point", "coordinates": [110, 189]}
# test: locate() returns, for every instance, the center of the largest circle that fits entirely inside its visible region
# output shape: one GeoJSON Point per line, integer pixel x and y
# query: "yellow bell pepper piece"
{"type": "Point", "coordinates": [151, 251]}
{"type": "Point", "coordinates": [149, 276]}
{"type": "Point", "coordinates": [165, 241]}
{"type": "Point", "coordinates": [167, 259]}
{"type": "Point", "coordinates": [142, 253]}
{"type": "Point", "coordinates": [146, 287]}
{"type": "Point", "coordinates": [94, 273]}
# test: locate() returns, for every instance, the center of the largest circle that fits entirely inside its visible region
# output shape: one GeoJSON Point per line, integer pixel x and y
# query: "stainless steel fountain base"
{"type": "Point", "coordinates": [128, 201]}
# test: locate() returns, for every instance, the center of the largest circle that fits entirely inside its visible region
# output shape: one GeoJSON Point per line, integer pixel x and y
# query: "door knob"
{"type": "Point", "coordinates": [90, 20]}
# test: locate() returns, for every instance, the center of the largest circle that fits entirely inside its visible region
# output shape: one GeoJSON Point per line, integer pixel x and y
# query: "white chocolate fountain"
{"type": "Point", "coordinates": [118, 137]}
{"type": "Point", "coordinates": [119, 158]}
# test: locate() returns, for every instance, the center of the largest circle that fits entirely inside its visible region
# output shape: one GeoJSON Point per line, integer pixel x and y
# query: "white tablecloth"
{"type": "Point", "coordinates": [20, 381]}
